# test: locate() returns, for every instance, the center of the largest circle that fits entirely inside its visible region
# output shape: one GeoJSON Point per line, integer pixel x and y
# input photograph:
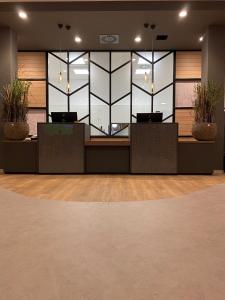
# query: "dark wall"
{"type": "Point", "coordinates": [8, 49]}
{"type": "Point", "coordinates": [213, 68]}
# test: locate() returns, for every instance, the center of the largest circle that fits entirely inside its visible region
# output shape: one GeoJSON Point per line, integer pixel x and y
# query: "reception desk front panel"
{"type": "Point", "coordinates": [61, 147]}
{"type": "Point", "coordinates": [154, 148]}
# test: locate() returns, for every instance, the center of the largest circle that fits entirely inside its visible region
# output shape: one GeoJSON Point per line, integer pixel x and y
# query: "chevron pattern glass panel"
{"type": "Point", "coordinates": [55, 66]}
{"type": "Point", "coordinates": [57, 101]}
{"type": "Point", "coordinates": [79, 74]}
{"type": "Point", "coordinates": [120, 81]}
{"type": "Point", "coordinates": [79, 102]}
{"type": "Point", "coordinates": [163, 73]}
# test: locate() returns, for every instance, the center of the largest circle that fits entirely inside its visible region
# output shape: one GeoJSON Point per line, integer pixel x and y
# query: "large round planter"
{"type": "Point", "coordinates": [204, 131]}
{"type": "Point", "coordinates": [15, 130]}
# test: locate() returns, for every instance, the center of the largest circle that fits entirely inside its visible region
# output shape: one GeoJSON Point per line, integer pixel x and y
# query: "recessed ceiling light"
{"type": "Point", "coordinates": [137, 39]}
{"type": "Point", "coordinates": [22, 14]}
{"type": "Point", "coordinates": [183, 13]}
{"type": "Point", "coordinates": [201, 38]}
{"type": "Point", "coordinates": [77, 39]}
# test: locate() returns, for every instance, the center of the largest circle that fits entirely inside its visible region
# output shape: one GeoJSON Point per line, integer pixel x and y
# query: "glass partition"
{"type": "Point", "coordinates": [108, 88]}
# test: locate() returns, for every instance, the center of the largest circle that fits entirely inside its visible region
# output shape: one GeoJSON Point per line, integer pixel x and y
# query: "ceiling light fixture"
{"type": "Point", "coordinates": [138, 39]}
{"type": "Point", "coordinates": [201, 38]}
{"type": "Point", "coordinates": [22, 14]}
{"type": "Point", "coordinates": [77, 39]}
{"type": "Point", "coordinates": [183, 13]}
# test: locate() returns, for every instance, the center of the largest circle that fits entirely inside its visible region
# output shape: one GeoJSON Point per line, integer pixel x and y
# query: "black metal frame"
{"type": "Point", "coordinates": [110, 72]}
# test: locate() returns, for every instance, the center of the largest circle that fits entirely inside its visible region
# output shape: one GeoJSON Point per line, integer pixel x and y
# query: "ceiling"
{"type": "Point", "coordinates": [126, 18]}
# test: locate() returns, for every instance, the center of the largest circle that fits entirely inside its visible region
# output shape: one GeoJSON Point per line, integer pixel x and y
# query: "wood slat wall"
{"type": "Point", "coordinates": [188, 64]}
{"type": "Point", "coordinates": [185, 118]}
{"type": "Point", "coordinates": [37, 94]}
{"type": "Point", "coordinates": [32, 67]}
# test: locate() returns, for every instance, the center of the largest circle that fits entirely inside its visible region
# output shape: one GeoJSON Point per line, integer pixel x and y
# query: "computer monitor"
{"type": "Point", "coordinates": [64, 117]}
{"type": "Point", "coordinates": [149, 117]}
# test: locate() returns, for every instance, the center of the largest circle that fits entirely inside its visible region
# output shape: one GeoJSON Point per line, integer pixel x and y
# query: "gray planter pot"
{"type": "Point", "coordinates": [15, 130]}
{"type": "Point", "coordinates": [204, 131]}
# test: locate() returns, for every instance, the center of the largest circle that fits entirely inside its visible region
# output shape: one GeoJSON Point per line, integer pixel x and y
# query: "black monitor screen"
{"type": "Point", "coordinates": [149, 117]}
{"type": "Point", "coordinates": [64, 117]}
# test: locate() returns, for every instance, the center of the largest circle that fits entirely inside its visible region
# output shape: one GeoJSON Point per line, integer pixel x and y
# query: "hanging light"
{"type": "Point", "coordinates": [68, 27]}
{"type": "Point", "coordinates": [146, 77]}
{"type": "Point", "coordinates": [68, 87]}
{"type": "Point", "coordinates": [152, 77]}
{"type": "Point", "coordinates": [60, 26]}
{"type": "Point", "coordinates": [60, 76]}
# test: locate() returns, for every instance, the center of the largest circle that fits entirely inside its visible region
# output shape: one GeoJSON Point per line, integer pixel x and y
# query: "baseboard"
{"type": "Point", "coordinates": [218, 172]}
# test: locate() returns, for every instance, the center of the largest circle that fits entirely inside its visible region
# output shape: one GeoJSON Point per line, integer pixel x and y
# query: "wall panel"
{"type": "Point", "coordinates": [37, 94]}
{"type": "Point", "coordinates": [31, 65]}
{"type": "Point", "coordinates": [188, 64]}
{"type": "Point", "coordinates": [185, 119]}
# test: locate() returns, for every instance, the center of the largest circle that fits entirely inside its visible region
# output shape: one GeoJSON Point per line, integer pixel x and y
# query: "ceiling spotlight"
{"type": "Point", "coordinates": [137, 39]}
{"type": "Point", "coordinates": [183, 13]}
{"type": "Point", "coordinates": [77, 39]}
{"type": "Point", "coordinates": [22, 14]}
{"type": "Point", "coordinates": [201, 38]}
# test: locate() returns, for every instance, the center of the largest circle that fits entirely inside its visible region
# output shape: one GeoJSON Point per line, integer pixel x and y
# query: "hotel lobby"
{"type": "Point", "coordinates": [112, 150]}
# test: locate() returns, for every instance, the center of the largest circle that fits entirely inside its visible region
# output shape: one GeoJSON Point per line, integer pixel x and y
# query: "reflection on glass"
{"type": "Point", "coordinates": [120, 82]}
{"type": "Point", "coordinates": [141, 102]}
{"type": "Point", "coordinates": [57, 73]}
{"type": "Point", "coordinates": [142, 73]}
{"type": "Point", "coordinates": [99, 114]}
{"type": "Point", "coordinates": [101, 58]}
{"type": "Point", "coordinates": [119, 58]}
{"type": "Point", "coordinates": [163, 102]}
{"type": "Point", "coordinates": [57, 101]}
{"type": "Point", "coordinates": [79, 103]}
{"type": "Point", "coordinates": [163, 72]}
{"type": "Point", "coordinates": [99, 82]}
{"type": "Point", "coordinates": [79, 73]}
{"type": "Point", "coordinates": [120, 111]}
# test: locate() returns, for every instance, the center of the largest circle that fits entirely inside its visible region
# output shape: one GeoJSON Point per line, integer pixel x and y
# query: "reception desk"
{"type": "Point", "coordinates": [152, 148]}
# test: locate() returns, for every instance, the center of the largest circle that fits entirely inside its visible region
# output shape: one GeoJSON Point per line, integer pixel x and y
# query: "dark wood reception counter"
{"type": "Point", "coordinates": [68, 148]}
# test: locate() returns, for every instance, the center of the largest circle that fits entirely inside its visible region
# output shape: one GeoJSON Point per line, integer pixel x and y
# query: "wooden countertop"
{"type": "Point", "coordinates": [108, 142]}
{"type": "Point", "coordinates": [126, 141]}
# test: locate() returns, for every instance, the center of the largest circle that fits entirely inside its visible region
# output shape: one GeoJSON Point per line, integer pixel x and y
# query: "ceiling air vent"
{"type": "Point", "coordinates": [162, 37]}
{"type": "Point", "coordinates": [109, 39]}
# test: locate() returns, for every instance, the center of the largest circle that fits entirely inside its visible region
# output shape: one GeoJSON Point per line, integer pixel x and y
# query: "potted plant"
{"type": "Point", "coordinates": [15, 107]}
{"type": "Point", "coordinates": [207, 95]}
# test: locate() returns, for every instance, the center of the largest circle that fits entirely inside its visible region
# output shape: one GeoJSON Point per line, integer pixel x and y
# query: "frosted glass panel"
{"type": "Point", "coordinates": [94, 131]}
{"type": "Point", "coordinates": [55, 66]}
{"type": "Point", "coordinates": [79, 73]}
{"type": "Point", "coordinates": [163, 72]}
{"type": "Point", "coordinates": [79, 103]}
{"type": "Point", "coordinates": [99, 82]}
{"type": "Point", "coordinates": [163, 102]}
{"type": "Point", "coordinates": [145, 54]}
{"type": "Point", "coordinates": [57, 101]}
{"type": "Point", "coordinates": [124, 132]}
{"type": "Point", "coordinates": [99, 114]}
{"type": "Point", "coordinates": [101, 58]}
{"type": "Point", "coordinates": [121, 111]}
{"type": "Point", "coordinates": [169, 120]}
{"type": "Point", "coordinates": [185, 94]}
{"type": "Point", "coordinates": [119, 58]}
{"type": "Point", "coordinates": [141, 102]}
{"type": "Point", "coordinates": [62, 55]}
{"type": "Point", "coordinates": [142, 73]}
{"type": "Point", "coordinates": [159, 54]}
{"type": "Point", "coordinates": [120, 82]}
{"type": "Point", "coordinates": [74, 55]}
